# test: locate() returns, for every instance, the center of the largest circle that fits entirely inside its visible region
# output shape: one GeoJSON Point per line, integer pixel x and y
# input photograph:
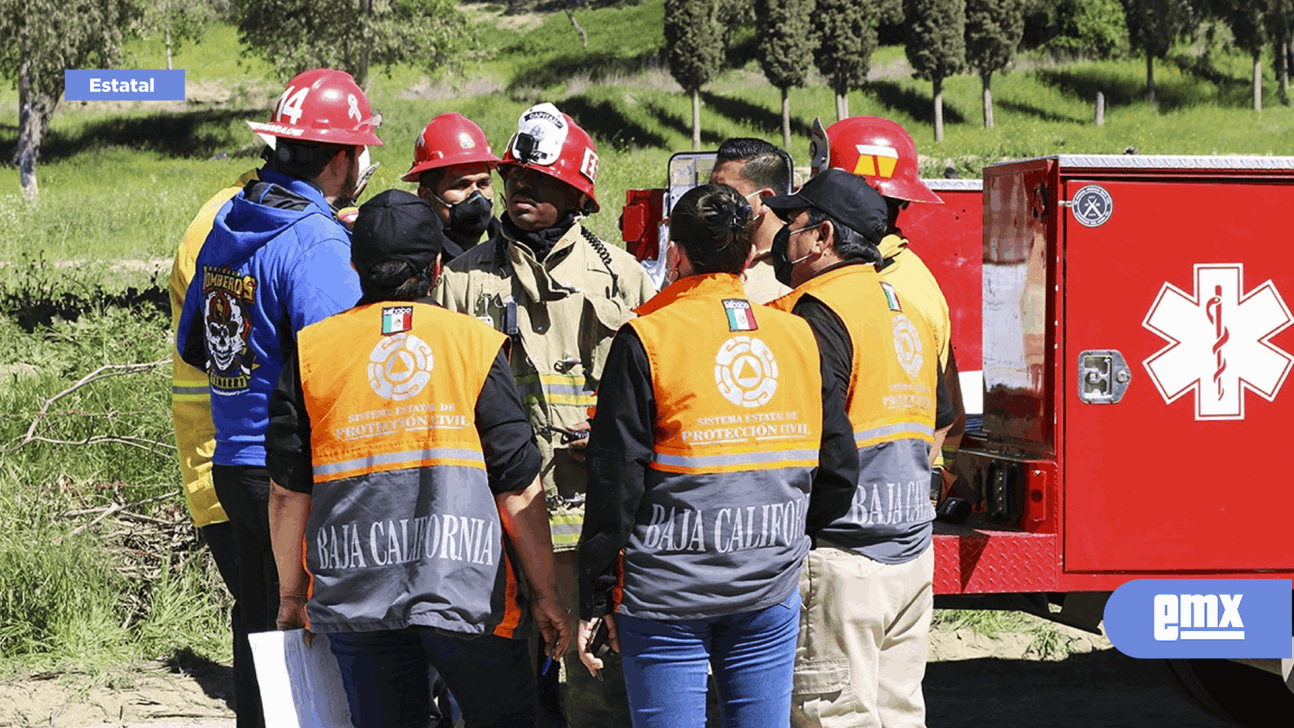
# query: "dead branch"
{"type": "Point", "coordinates": [104, 372]}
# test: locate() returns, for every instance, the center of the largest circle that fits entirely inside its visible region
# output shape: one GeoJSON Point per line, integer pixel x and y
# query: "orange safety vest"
{"type": "Point", "coordinates": [891, 405]}
{"type": "Point", "coordinates": [738, 429]}
{"type": "Point", "coordinates": [403, 529]}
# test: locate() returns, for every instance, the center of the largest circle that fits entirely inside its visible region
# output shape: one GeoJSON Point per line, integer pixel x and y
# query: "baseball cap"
{"type": "Point", "coordinates": [396, 225]}
{"type": "Point", "coordinates": [846, 197]}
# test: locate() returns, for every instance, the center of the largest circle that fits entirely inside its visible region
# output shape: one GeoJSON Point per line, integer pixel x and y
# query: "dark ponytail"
{"type": "Point", "coordinates": [713, 223]}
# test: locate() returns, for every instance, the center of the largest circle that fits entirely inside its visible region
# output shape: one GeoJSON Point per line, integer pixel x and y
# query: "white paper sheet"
{"type": "Point", "coordinates": [300, 686]}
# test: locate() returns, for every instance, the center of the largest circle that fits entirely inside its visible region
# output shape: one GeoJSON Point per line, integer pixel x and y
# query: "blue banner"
{"type": "Point", "coordinates": [152, 85]}
{"type": "Point", "coordinates": [1207, 618]}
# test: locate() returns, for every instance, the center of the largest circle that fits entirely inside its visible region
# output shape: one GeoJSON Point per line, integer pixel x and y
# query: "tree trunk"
{"type": "Point", "coordinates": [696, 120]}
{"type": "Point", "coordinates": [1100, 108]}
{"type": "Point", "coordinates": [1150, 79]}
{"type": "Point", "coordinates": [1258, 83]}
{"type": "Point", "coordinates": [34, 111]}
{"type": "Point", "coordinates": [786, 118]}
{"type": "Point", "coordinates": [168, 47]}
{"type": "Point", "coordinates": [1283, 70]}
{"type": "Point", "coordinates": [988, 100]}
{"type": "Point", "coordinates": [939, 109]}
{"type": "Point", "coordinates": [361, 72]}
{"type": "Point", "coordinates": [570, 15]}
{"type": "Point", "coordinates": [842, 104]}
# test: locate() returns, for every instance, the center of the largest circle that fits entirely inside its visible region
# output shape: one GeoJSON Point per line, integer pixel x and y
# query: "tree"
{"type": "Point", "coordinates": [351, 35]}
{"type": "Point", "coordinates": [1280, 22]}
{"type": "Point", "coordinates": [1153, 26]}
{"type": "Point", "coordinates": [993, 32]}
{"type": "Point", "coordinates": [694, 48]}
{"type": "Point", "coordinates": [936, 45]}
{"type": "Point", "coordinates": [1248, 22]}
{"type": "Point", "coordinates": [785, 49]}
{"type": "Point", "coordinates": [846, 40]}
{"type": "Point", "coordinates": [42, 39]}
{"type": "Point", "coordinates": [176, 21]}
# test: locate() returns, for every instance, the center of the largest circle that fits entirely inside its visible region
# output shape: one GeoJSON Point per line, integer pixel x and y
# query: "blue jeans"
{"type": "Point", "coordinates": [752, 655]}
{"type": "Point", "coordinates": [385, 674]}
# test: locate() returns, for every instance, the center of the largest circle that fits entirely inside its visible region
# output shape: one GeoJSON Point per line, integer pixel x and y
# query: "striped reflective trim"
{"type": "Point", "coordinates": [565, 528]}
{"type": "Point", "coordinates": [372, 462]}
{"type": "Point", "coordinates": [783, 457]}
{"type": "Point", "coordinates": [865, 437]}
{"type": "Point", "coordinates": [555, 389]}
{"type": "Point", "coordinates": [178, 391]}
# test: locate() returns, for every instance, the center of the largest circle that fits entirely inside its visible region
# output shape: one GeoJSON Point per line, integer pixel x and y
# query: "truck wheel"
{"type": "Point", "coordinates": [1231, 691]}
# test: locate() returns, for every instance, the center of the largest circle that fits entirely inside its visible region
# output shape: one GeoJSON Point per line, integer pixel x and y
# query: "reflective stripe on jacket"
{"type": "Point", "coordinates": [195, 435]}
{"type": "Point", "coordinates": [403, 528]}
{"type": "Point", "coordinates": [891, 405]}
{"type": "Point", "coordinates": [738, 390]}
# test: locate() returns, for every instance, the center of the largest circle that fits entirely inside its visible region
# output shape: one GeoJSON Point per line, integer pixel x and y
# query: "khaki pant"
{"type": "Point", "coordinates": [864, 628]}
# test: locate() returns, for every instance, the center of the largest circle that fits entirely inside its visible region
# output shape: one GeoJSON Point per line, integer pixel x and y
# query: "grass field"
{"type": "Point", "coordinates": [120, 182]}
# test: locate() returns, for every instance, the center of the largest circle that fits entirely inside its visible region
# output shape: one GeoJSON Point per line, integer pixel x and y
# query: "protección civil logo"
{"type": "Point", "coordinates": [1201, 618]}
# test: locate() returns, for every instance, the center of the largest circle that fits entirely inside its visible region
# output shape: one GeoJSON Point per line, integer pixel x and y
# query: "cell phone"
{"type": "Point", "coordinates": [600, 644]}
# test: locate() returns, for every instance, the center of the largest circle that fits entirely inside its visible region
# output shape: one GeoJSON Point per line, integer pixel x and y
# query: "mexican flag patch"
{"type": "Point", "coordinates": [891, 297]}
{"type": "Point", "coordinates": [741, 315]}
{"type": "Point", "coordinates": [397, 319]}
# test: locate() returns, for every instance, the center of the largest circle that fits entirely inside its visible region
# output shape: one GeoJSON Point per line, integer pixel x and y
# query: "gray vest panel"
{"type": "Point", "coordinates": [891, 519]}
{"type": "Point", "coordinates": [415, 547]}
{"type": "Point", "coordinates": [707, 545]}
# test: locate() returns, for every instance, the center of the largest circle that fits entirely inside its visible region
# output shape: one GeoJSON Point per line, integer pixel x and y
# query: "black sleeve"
{"type": "Point", "coordinates": [834, 345]}
{"type": "Point", "coordinates": [620, 448]}
{"type": "Point", "coordinates": [287, 441]}
{"type": "Point", "coordinates": [945, 413]}
{"type": "Point", "coordinates": [836, 478]}
{"type": "Point", "coordinates": [511, 456]}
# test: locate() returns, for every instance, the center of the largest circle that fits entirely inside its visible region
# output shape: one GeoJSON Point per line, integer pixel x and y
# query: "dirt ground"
{"type": "Point", "coordinates": [972, 681]}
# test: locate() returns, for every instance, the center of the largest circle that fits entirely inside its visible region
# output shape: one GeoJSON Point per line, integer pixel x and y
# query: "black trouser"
{"type": "Point", "coordinates": [244, 491]}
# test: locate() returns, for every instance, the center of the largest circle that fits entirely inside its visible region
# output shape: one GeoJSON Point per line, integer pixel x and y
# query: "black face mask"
{"type": "Point", "coordinates": [779, 255]}
{"type": "Point", "coordinates": [469, 218]}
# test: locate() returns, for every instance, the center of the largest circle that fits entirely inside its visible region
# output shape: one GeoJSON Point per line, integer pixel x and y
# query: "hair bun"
{"type": "Point", "coordinates": [732, 218]}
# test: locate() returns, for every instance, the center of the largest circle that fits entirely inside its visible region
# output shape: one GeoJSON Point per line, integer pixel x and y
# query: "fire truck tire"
{"type": "Point", "coordinates": [1231, 691]}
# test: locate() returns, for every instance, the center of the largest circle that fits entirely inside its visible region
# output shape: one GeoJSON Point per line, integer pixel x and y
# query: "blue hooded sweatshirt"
{"type": "Point", "coordinates": [275, 262]}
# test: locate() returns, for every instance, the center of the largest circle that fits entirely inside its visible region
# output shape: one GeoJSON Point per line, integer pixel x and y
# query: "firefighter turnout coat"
{"type": "Point", "coordinates": [561, 313]}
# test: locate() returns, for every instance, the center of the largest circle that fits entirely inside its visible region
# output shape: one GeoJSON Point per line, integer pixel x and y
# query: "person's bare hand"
{"type": "Point", "coordinates": [591, 661]}
{"type": "Point", "coordinates": [292, 615]}
{"type": "Point", "coordinates": [553, 619]}
{"type": "Point", "coordinates": [577, 447]}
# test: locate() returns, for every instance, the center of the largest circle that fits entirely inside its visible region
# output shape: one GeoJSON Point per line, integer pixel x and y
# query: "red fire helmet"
{"type": "Point", "coordinates": [876, 149]}
{"type": "Point", "coordinates": [551, 143]}
{"type": "Point", "coordinates": [448, 140]}
{"type": "Point", "coordinates": [322, 105]}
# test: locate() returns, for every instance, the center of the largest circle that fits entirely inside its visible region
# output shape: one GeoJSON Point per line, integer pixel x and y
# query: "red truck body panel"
{"type": "Point", "coordinates": [1177, 264]}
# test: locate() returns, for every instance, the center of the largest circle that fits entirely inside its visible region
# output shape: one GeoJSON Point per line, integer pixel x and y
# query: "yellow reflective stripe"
{"type": "Point", "coordinates": [555, 389]}
{"type": "Point", "coordinates": [583, 400]}
{"type": "Point", "coordinates": [565, 528]}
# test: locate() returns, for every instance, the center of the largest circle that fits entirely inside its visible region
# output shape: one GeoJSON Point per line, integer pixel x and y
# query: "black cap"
{"type": "Point", "coordinates": [846, 197]}
{"type": "Point", "coordinates": [396, 225]}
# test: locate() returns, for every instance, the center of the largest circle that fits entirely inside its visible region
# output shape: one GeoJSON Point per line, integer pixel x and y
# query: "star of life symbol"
{"type": "Point", "coordinates": [399, 367]}
{"type": "Point", "coordinates": [746, 371]}
{"type": "Point", "coordinates": [1219, 342]}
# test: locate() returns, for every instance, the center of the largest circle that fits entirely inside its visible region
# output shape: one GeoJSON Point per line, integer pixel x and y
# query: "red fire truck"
{"type": "Point", "coordinates": [1130, 316]}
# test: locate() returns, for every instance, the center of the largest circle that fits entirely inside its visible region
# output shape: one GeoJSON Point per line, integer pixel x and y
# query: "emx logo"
{"type": "Point", "coordinates": [1217, 618]}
